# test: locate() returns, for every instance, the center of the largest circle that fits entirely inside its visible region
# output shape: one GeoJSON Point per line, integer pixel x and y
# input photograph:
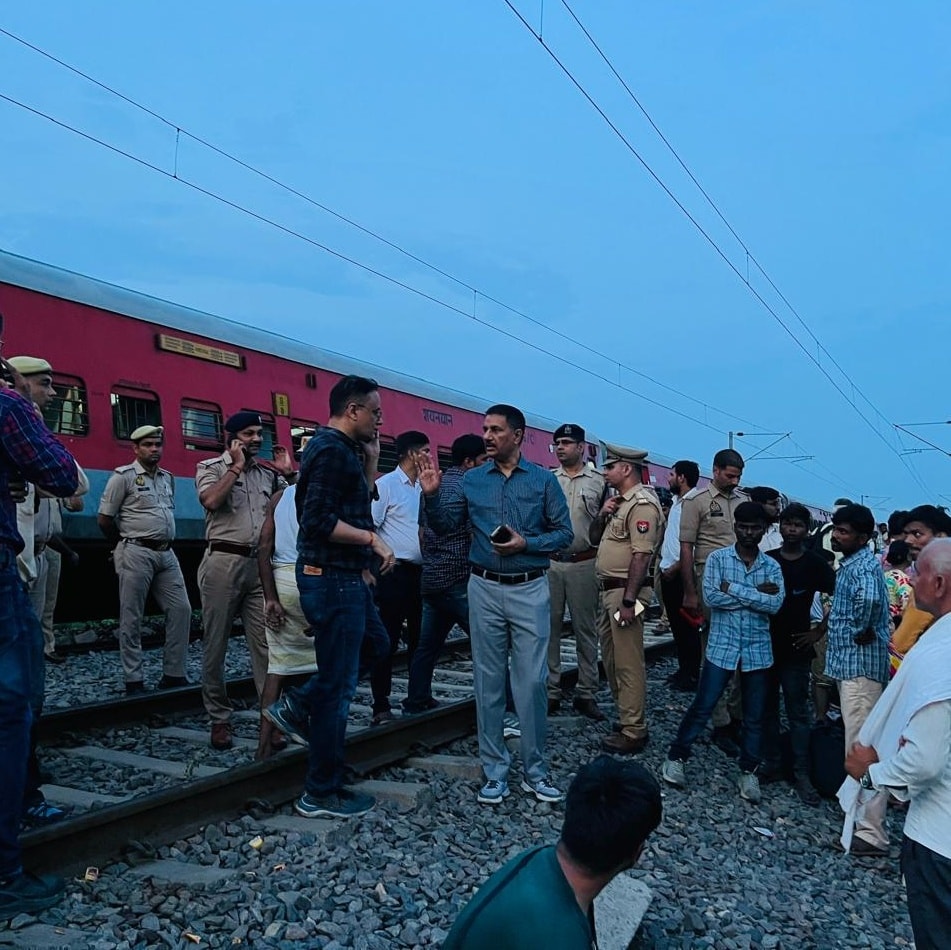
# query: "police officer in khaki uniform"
{"type": "Point", "coordinates": [137, 514]}
{"type": "Point", "coordinates": [628, 527]}
{"type": "Point", "coordinates": [572, 578]}
{"type": "Point", "coordinates": [234, 490]}
{"type": "Point", "coordinates": [706, 525]}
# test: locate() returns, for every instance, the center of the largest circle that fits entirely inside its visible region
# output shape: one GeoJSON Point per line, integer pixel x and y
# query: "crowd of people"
{"type": "Point", "coordinates": [331, 567]}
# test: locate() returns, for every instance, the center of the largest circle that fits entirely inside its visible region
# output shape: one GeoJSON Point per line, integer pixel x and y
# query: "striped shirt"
{"type": "Point", "coordinates": [530, 501]}
{"type": "Point", "coordinates": [739, 618]}
{"type": "Point", "coordinates": [860, 602]}
{"type": "Point", "coordinates": [445, 557]}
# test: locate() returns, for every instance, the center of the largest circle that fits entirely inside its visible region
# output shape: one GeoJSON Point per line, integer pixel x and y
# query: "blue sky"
{"type": "Point", "coordinates": [821, 131]}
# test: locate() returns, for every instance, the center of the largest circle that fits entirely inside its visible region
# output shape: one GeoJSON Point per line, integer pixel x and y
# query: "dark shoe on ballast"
{"type": "Point", "coordinates": [173, 682]}
{"type": "Point", "coordinates": [26, 893]}
{"type": "Point", "coordinates": [221, 738]}
{"type": "Point", "coordinates": [589, 708]}
{"type": "Point", "coordinates": [620, 744]}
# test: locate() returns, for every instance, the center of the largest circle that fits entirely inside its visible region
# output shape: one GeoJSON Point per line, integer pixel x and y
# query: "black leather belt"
{"type": "Point", "coordinates": [149, 543]}
{"type": "Point", "coordinates": [226, 547]}
{"type": "Point", "coordinates": [522, 578]}
{"type": "Point", "coordinates": [575, 558]}
{"type": "Point", "coordinates": [612, 583]}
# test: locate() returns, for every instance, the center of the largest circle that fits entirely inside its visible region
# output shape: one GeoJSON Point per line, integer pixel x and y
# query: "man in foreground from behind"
{"type": "Point", "coordinates": [903, 749]}
{"type": "Point", "coordinates": [545, 896]}
{"type": "Point", "coordinates": [27, 451]}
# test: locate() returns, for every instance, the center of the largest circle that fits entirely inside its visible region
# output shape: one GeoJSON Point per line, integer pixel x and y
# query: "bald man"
{"type": "Point", "coordinates": [903, 749]}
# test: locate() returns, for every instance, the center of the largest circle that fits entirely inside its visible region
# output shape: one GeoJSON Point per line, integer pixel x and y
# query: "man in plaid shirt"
{"type": "Point", "coordinates": [742, 587]}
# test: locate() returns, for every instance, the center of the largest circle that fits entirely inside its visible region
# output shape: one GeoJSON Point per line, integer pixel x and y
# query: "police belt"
{"type": "Point", "coordinates": [149, 543]}
{"type": "Point", "coordinates": [588, 555]}
{"type": "Point", "coordinates": [226, 547]}
{"type": "Point", "coordinates": [522, 578]}
{"type": "Point", "coordinates": [612, 583]}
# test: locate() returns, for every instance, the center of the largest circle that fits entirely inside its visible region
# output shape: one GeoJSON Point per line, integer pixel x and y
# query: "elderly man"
{"type": "Point", "coordinates": [903, 749]}
{"type": "Point", "coordinates": [519, 519]}
{"type": "Point", "coordinates": [137, 515]}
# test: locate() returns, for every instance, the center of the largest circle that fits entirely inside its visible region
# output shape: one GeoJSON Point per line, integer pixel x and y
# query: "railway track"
{"type": "Point", "coordinates": [198, 790]}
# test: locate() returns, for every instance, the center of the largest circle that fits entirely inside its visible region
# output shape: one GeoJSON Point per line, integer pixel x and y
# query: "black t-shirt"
{"type": "Point", "coordinates": [802, 577]}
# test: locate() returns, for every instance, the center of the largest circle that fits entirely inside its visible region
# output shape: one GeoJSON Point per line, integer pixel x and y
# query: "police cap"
{"type": "Point", "coordinates": [145, 432]}
{"type": "Point", "coordinates": [30, 365]}
{"type": "Point", "coordinates": [622, 453]}
{"type": "Point", "coordinates": [241, 421]}
{"type": "Point", "coordinates": [569, 431]}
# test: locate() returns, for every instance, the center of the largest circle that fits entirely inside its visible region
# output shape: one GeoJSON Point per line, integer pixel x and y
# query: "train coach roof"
{"type": "Point", "coordinates": [68, 285]}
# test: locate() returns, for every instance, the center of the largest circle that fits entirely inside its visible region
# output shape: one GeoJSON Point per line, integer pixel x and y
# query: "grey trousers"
{"type": "Point", "coordinates": [38, 588]}
{"type": "Point", "coordinates": [140, 570]}
{"type": "Point", "coordinates": [576, 585]}
{"type": "Point", "coordinates": [229, 585]}
{"type": "Point", "coordinates": [54, 565]}
{"type": "Point", "coordinates": [510, 620]}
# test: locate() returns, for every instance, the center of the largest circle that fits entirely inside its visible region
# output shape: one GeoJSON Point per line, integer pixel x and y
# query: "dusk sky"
{"type": "Point", "coordinates": [821, 132]}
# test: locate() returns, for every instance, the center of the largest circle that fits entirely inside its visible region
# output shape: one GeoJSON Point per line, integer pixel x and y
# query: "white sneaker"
{"type": "Point", "coordinates": [493, 792]}
{"type": "Point", "coordinates": [674, 773]}
{"type": "Point", "coordinates": [543, 790]}
{"type": "Point", "coordinates": [748, 785]}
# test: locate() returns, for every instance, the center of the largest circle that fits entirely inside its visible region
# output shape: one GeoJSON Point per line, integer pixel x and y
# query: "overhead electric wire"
{"type": "Point", "coordinates": [716, 247]}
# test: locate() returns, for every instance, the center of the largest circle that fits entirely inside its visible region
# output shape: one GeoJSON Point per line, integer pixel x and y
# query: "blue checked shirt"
{"type": "Point", "coordinates": [739, 619]}
{"type": "Point", "coordinates": [445, 557]}
{"type": "Point", "coordinates": [530, 500]}
{"type": "Point", "coordinates": [860, 601]}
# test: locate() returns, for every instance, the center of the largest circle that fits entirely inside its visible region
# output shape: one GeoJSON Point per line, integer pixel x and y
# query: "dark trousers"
{"type": "Point", "coordinates": [928, 884]}
{"type": "Point", "coordinates": [442, 610]}
{"type": "Point", "coordinates": [339, 607]}
{"type": "Point", "coordinates": [713, 683]}
{"type": "Point", "coordinates": [792, 678]}
{"type": "Point", "coordinates": [399, 600]}
{"type": "Point", "coordinates": [686, 637]}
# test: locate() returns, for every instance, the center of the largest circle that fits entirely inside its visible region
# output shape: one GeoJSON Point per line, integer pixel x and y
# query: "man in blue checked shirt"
{"type": "Point", "coordinates": [742, 587]}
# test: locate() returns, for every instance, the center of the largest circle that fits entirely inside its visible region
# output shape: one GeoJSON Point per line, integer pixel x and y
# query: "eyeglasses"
{"type": "Point", "coordinates": [376, 413]}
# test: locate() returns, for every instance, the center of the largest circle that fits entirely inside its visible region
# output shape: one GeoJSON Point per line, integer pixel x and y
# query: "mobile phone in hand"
{"type": "Point", "coordinates": [501, 535]}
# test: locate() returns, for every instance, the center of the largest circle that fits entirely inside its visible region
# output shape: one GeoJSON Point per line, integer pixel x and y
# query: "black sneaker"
{"type": "Point", "coordinates": [283, 715]}
{"type": "Point", "coordinates": [344, 803]}
{"type": "Point", "coordinates": [27, 893]}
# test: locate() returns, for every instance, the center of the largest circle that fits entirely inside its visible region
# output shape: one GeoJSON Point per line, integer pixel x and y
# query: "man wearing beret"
{"type": "Point", "coordinates": [137, 515]}
{"type": "Point", "coordinates": [627, 528]}
{"type": "Point", "coordinates": [234, 490]}
{"type": "Point", "coordinates": [572, 578]}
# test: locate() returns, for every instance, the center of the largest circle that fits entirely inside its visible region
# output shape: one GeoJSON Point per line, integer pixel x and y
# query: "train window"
{"type": "Point", "coordinates": [301, 429]}
{"type": "Point", "coordinates": [268, 435]}
{"type": "Point", "coordinates": [67, 413]}
{"type": "Point", "coordinates": [132, 408]}
{"type": "Point", "coordinates": [202, 426]}
{"type": "Point", "coordinates": [444, 456]}
{"type": "Point", "coordinates": [388, 456]}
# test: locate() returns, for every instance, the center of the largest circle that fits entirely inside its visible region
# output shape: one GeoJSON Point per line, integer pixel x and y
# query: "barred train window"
{"type": "Point", "coordinates": [202, 425]}
{"type": "Point", "coordinates": [67, 413]}
{"type": "Point", "coordinates": [301, 429]}
{"type": "Point", "coordinates": [132, 408]}
{"type": "Point", "coordinates": [388, 457]}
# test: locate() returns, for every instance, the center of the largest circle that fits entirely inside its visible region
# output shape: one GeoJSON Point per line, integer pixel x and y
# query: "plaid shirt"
{"type": "Point", "coordinates": [332, 487]}
{"type": "Point", "coordinates": [860, 601]}
{"type": "Point", "coordinates": [739, 619]}
{"type": "Point", "coordinates": [445, 557]}
{"type": "Point", "coordinates": [28, 450]}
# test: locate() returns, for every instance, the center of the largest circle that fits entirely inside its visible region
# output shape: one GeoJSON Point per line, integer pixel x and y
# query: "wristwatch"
{"type": "Point", "coordinates": [627, 603]}
{"type": "Point", "coordinates": [866, 781]}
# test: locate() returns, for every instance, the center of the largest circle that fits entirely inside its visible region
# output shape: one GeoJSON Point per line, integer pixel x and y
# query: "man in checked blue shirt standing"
{"type": "Point", "coordinates": [857, 654]}
{"type": "Point", "coordinates": [742, 587]}
{"type": "Point", "coordinates": [519, 518]}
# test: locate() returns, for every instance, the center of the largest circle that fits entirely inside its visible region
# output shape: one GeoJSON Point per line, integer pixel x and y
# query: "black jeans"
{"type": "Point", "coordinates": [792, 677]}
{"type": "Point", "coordinates": [398, 599]}
{"type": "Point", "coordinates": [686, 637]}
{"type": "Point", "coordinates": [928, 883]}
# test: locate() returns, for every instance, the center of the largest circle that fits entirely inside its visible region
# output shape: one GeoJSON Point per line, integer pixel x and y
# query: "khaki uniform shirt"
{"type": "Point", "coordinates": [635, 528]}
{"type": "Point", "coordinates": [241, 516]}
{"type": "Point", "coordinates": [143, 505]}
{"type": "Point", "coordinates": [584, 493]}
{"type": "Point", "coordinates": [707, 521]}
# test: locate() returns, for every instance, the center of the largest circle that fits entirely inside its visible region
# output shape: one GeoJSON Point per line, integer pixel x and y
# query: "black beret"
{"type": "Point", "coordinates": [242, 420]}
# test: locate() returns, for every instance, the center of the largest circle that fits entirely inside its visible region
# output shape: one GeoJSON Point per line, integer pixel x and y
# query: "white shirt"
{"type": "Point", "coordinates": [670, 549]}
{"type": "Point", "coordinates": [772, 539]}
{"type": "Point", "coordinates": [285, 528]}
{"type": "Point", "coordinates": [396, 514]}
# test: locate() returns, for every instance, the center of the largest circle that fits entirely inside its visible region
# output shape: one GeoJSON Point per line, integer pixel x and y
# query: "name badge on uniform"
{"type": "Point", "coordinates": [715, 510]}
{"type": "Point", "coordinates": [643, 527]}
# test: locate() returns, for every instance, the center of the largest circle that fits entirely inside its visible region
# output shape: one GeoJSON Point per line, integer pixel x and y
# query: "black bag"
{"type": "Point", "coordinates": [827, 757]}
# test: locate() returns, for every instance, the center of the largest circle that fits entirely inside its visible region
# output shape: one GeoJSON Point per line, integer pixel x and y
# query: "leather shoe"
{"type": "Point", "coordinates": [588, 707]}
{"type": "Point", "coordinates": [54, 657]}
{"type": "Point", "coordinates": [621, 744]}
{"type": "Point", "coordinates": [221, 736]}
{"type": "Point", "coordinates": [278, 740]}
{"type": "Point", "coordinates": [725, 742]}
{"type": "Point", "coordinates": [172, 682]}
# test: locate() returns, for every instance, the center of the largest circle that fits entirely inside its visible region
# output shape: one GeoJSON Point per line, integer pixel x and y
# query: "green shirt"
{"type": "Point", "coordinates": [526, 903]}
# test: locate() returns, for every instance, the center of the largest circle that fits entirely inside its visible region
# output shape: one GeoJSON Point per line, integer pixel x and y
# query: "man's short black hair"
{"type": "Point", "coordinates": [467, 447]}
{"type": "Point", "coordinates": [689, 471]}
{"type": "Point", "coordinates": [898, 553]}
{"type": "Point", "coordinates": [749, 512]}
{"type": "Point", "coordinates": [935, 518]}
{"type": "Point", "coordinates": [762, 493]}
{"type": "Point", "coordinates": [728, 458]}
{"type": "Point", "coordinates": [859, 518]}
{"type": "Point", "coordinates": [350, 389]}
{"type": "Point", "coordinates": [897, 521]}
{"type": "Point", "coordinates": [611, 808]}
{"type": "Point", "coordinates": [407, 441]}
{"type": "Point", "coordinates": [514, 417]}
{"type": "Point", "coordinates": [795, 511]}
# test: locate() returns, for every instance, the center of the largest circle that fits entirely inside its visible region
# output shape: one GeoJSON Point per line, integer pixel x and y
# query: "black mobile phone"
{"type": "Point", "coordinates": [501, 535]}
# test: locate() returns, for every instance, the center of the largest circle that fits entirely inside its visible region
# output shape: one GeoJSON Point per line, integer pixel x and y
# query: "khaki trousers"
{"type": "Point", "coordinates": [856, 698]}
{"type": "Point", "coordinates": [622, 649]}
{"type": "Point", "coordinates": [576, 585]}
{"type": "Point", "coordinates": [229, 585]}
{"type": "Point", "coordinates": [140, 570]}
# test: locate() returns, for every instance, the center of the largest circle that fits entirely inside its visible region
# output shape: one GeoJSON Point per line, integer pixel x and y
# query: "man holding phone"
{"type": "Point", "coordinates": [519, 519]}
{"type": "Point", "coordinates": [234, 490]}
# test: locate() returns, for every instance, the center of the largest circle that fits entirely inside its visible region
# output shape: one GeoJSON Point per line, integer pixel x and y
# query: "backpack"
{"type": "Point", "coordinates": [827, 757]}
